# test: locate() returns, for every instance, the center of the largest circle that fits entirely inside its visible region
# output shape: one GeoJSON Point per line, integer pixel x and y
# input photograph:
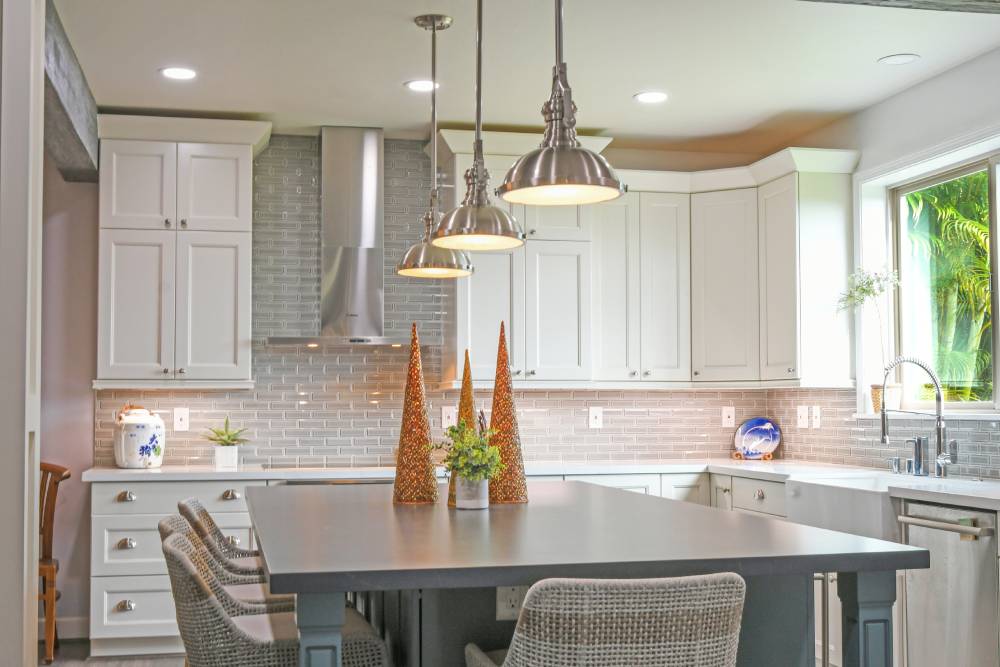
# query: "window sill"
{"type": "Point", "coordinates": [971, 415]}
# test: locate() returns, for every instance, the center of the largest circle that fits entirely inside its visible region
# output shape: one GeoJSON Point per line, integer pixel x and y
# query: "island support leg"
{"type": "Point", "coordinates": [320, 617]}
{"type": "Point", "coordinates": [866, 599]}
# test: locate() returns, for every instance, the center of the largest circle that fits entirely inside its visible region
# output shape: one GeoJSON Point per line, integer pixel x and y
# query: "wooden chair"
{"type": "Point", "coordinates": [51, 477]}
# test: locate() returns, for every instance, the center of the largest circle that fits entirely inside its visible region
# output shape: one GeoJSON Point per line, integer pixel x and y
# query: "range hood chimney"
{"type": "Point", "coordinates": [351, 232]}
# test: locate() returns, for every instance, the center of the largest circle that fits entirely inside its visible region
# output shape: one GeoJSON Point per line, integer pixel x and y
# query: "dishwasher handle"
{"type": "Point", "coordinates": [971, 531]}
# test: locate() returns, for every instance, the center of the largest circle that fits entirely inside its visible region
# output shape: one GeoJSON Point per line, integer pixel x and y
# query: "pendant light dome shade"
{"type": "Point", "coordinates": [560, 172]}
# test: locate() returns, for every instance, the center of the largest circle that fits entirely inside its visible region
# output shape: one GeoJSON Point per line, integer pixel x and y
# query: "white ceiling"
{"type": "Point", "coordinates": [743, 75]}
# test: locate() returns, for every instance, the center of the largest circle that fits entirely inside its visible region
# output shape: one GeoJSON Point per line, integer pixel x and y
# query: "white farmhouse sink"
{"type": "Point", "coordinates": [860, 505]}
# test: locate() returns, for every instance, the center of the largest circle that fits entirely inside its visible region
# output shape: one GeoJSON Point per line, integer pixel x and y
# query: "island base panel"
{"type": "Point", "coordinates": [866, 600]}
{"type": "Point", "coordinates": [320, 619]}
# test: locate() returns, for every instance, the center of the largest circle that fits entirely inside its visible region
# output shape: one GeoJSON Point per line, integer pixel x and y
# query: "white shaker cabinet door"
{"type": "Point", "coordinates": [557, 304]}
{"type": "Point", "coordinates": [665, 224]}
{"type": "Point", "coordinates": [213, 306]}
{"type": "Point", "coordinates": [136, 304]}
{"type": "Point", "coordinates": [494, 293]}
{"type": "Point", "coordinates": [616, 299]}
{"type": "Point", "coordinates": [554, 223]}
{"type": "Point", "coordinates": [138, 184]}
{"type": "Point", "coordinates": [725, 318]}
{"type": "Point", "coordinates": [214, 185]}
{"type": "Point", "coordinates": [778, 218]}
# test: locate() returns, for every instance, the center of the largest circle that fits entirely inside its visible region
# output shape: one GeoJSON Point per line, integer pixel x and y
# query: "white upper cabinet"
{"type": "Point", "coordinates": [725, 317]}
{"type": "Point", "coordinates": [665, 256]}
{"type": "Point", "coordinates": [554, 223]}
{"type": "Point", "coordinates": [213, 306]}
{"type": "Point", "coordinates": [494, 293]}
{"type": "Point", "coordinates": [138, 184]}
{"type": "Point", "coordinates": [778, 220]}
{"type": "Point", "coordinates": [557, 305]}
{"type": "Point", "coordinates": [136, 304]}
{"type": "Point", "coordinates": [214, 187]}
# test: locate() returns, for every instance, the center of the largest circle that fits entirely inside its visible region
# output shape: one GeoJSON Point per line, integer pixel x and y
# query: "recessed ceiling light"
{"type": "Point", "coordinates": [651, 97]}
{"type": "Point", "coordinates": [178, 73]}
{"type": "Point", "coordinates": [899, 59]}
{"type": "Point", "coordinates": [421, 85]}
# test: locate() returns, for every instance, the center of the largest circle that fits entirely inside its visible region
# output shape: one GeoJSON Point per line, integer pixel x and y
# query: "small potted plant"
{"type": "Point", "coordinates": [226, 440]}
{"type": "Point", "coordinates": [869, 287]}
{"type": "Point", "coordinates": [474, 461]}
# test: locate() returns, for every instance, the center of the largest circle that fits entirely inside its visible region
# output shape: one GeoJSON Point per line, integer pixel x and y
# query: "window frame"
{"type": "Point", "coordinates": [991, 164]}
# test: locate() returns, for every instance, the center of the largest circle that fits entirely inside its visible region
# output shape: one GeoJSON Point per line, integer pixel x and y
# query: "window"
{"type": "Point", "coordinates": [947, 266]}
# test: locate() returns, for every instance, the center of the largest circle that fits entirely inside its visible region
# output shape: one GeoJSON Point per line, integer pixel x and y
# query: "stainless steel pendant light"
{"type": "Point", "coordinates": [423, 259]}
{"type": "Point", "coordinates": [560, 171]}
{"type": "Point", "coordinates": [477, 224]}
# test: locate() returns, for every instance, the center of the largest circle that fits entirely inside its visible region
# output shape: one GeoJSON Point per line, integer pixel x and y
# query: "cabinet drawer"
{"type": "Point", "coordinates": [162, 497]}
{"type": "Point", "coordinates": [131, 607]}
{"type": "Point", "coordinates": [759, 496]}
{"type": "Point", "coordinates": [130, 545]}
{"type": "Point", "coordinates": [647, 484]}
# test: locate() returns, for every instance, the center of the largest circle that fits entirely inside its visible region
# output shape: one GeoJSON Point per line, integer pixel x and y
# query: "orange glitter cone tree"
{"type": "Point", "coordinates": [415, 482]}
{"type": "Point", "coordinates": [509, 486]}
{"type": "Point", "coordinates": [466, 413]}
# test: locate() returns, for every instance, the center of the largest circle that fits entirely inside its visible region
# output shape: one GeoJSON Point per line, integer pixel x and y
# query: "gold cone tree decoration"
{"type": "Point", "coordinates": [466, 413]}
{"type": "Point", "coordinates": [510, 486]}
{"type": "Point", "coordinates": [415, 482]}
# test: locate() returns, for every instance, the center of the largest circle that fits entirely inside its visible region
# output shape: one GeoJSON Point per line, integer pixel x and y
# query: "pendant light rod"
{"type": "Point", "coordinates": [434, 136]}
{"type": "Point", "coordinates": [559, 33]}
{"type": "Point", "coordinates": [479, 74]}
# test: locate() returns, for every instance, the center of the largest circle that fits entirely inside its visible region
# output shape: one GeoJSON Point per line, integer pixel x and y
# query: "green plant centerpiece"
{"type": "Point", "coordinates": [868, 287]}
{"type": "Point", "coordinates": [226, 439]}
{"type": "Point", "coordinates": [474, 461]}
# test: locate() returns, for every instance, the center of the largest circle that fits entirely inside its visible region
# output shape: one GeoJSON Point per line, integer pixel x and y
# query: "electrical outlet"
{"type": "Point", "coordinates": [728, 415]}
{"type": "Point", "coordinates": [449, 416]}
{"type": "Point", "coordinates": [816, 417]}
{"type": "Point", "coordinates": [595, 417]}
{"type": "Point", "coordinates": [182, 419]}
{"type": "Point", "coordinates": [509, 601]}
{"type": "Point", "coordinates": [802, 420]}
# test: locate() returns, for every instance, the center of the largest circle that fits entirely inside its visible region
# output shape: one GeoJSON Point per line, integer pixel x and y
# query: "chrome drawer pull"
{"type": "Point", "coordinates": [125, 605]}
{"type": "Point", "coordinates": [759, 494]}
{"type": "Point", "coordinates": [231, 494]}
{"type": "Point", "coordinates": [126, 497]}
{"type": "Point", "coordinates": [125, 544]}
{"type": "Point", "coordinates": [233, 541]}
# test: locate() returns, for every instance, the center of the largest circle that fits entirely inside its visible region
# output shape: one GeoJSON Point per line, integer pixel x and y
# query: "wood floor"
{"type": "Point", "coordinates": [73, 653]}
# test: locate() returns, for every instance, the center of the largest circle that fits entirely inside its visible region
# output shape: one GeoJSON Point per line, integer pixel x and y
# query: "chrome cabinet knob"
{"type": "Point", "coordinates": [531, 372]}
{"type": "Point", "coordinates": [184, 223]}
{"type": "Point", "coordinates": [166, 222]}
{"type": "Point", "coordinates": [632, 374]}
{"type": "Point", "coordinates": [532, 232]}
{"type": "Point", "coordinates": [725, 491]}
{"type": "Point", "coordinates": [697, 373]}
{"type": "Point", "coordinates": [759, 494]}
{"type": "Point", "coordinates": [125, 544]}
{"type": "Point", "coordinates": [166, 371]}
{"type": "Point", "coordinates": [231, 494]}
{"type": "Point", "coordinates": [181, 371]}
{"type": "Point", "coordinates": [646, 374]}
{"type": "Point", "coordinates": [125, 605]}
{"type": "Point", "coordinates": [233, 541]}
{"type": "Point", "coordinates": [125, 496]}
{"type": "Point", "coordinates": [791, 370]}
{"type": "Point", "coordinates": [517, 372]}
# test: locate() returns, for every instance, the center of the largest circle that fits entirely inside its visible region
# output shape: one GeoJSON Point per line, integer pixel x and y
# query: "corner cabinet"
{"type": "Point", "coordinates": [174, 267]}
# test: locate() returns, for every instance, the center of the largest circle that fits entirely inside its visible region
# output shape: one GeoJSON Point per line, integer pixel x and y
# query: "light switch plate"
{"type": "Point", "coordinates": [728, 415]}
{"type": "Point", "coordinates": [816, 417]}
{"type": "Point", "coordinates": [509, 601]}
{"type": "Point", "coordinates": [595, 417]}
{"type": "Point", "coordinates": [449, 416]}
{"type": "Point", "coordinates": [802, 420]}
{"type": "Point", "coordinates": [182, 419]}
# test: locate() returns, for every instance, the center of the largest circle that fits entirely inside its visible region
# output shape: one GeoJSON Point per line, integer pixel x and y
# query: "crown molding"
{"type": "Point", "coordinates": [253, 133]}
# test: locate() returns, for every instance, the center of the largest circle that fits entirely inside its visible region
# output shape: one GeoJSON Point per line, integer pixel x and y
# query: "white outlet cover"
{"type": "Point", "coordinates": [816, 422]}
{"type": "Point", "coordinates": [802, 420]}
{"type": "Point", "coordinates": [449, 416]}
{"type": "Point", "coordinates": [182, 419]}
{"type": "Point", "coordinates": [595, 417]}
{"type": "Point", "coordinates": [728, 415]}
{"type": "Point", "coordinates": [509, 602]}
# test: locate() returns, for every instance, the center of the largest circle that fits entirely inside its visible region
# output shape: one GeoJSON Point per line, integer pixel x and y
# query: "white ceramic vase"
{"type": "Point", "coordinates": [227, 457]}
{"type": "Point", "coordinates": [471, 495]}
{"type": "Point", "coordinates": [139, 439]}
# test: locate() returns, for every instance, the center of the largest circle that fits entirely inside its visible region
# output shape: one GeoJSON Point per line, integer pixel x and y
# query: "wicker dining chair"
{"type": "Point", "coordinates": [51, 477]}
{"type": "Point", "coordinates": [678, 622]}
{"type": "Point", "coordinates": [250, 588]}
{"type": "Point", "coordinates": [221, 547]}
{"type": "Point", "coordinates": [213, 637]}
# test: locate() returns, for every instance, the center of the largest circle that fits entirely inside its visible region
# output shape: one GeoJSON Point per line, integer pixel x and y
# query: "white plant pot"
{"type": "Point", "coordinates": [471, 495]}
{"type": "Point", "coordinates": [227, 457]}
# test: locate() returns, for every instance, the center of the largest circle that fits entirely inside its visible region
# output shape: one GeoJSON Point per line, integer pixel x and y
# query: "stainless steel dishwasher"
{"type": "Point", "coordinates": [951, 608]}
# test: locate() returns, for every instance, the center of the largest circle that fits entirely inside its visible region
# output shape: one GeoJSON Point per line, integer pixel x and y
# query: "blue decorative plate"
{"type": "Point", "coordinates": [757, 438]}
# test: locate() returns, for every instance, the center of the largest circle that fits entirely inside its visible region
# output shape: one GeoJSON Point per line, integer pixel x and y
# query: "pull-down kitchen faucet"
{"type": "Point", "coordinates": [946, 452]}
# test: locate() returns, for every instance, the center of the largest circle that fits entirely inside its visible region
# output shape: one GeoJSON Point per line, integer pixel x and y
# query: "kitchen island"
{"type": "Point", "coordinates": [322, 542]}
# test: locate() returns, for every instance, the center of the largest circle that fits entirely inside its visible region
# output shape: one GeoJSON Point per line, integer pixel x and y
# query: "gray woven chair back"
{"type": "Point", "coordinates": [678, 622]}
{"type": "Point", "coordinates": [199, 518]}
{"type": "Point", "coordinates": [176, 524]}
{"type": "Point", "coordinates": [209, 635]}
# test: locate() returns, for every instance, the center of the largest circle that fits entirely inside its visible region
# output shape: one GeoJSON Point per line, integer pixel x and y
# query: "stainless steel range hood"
{"type": "Point", "coordinates": [351, 229]}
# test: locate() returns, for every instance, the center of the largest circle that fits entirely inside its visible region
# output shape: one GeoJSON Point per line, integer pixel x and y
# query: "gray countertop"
{"type": "Point", "coordinates": [326, 538]}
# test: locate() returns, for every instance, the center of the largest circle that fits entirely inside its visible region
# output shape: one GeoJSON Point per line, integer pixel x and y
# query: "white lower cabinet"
{"type": "Point", "coordinates": [687, 487]}
{"type": "Point", "coordinates": [721, 491]}
{"type": "Point", "coordinates": [645, 484]}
